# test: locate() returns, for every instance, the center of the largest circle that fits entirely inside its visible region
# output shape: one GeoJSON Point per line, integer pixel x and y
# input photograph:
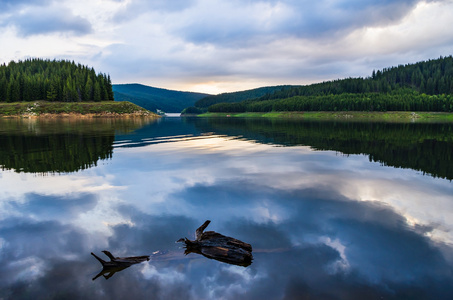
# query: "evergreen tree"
{"type": "Point", "coordinates": [97, 92]}
{"type": "Point", "coordinates": [14, 87]}
{"type": "Point", "coordinates": [3, 89]}
{"type": "Point", "coordinates": [52, 93]}
{"type": "Point", "coordinates": [88, 91]}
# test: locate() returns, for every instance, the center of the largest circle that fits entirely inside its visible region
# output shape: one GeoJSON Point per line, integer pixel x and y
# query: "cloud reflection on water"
{"type": "Point", "coordinates": [319, 227]}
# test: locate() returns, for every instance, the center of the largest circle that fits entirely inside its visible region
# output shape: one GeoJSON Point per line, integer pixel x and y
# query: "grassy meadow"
{"type": "Point", "coordinates": [346, 116]}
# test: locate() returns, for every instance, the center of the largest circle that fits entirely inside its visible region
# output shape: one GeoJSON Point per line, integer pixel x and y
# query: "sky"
{"type": "Point", "coordinates": [215, 46]}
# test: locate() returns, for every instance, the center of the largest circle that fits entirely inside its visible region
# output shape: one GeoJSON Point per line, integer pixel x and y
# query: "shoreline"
{"type": "Point", "coordinates": [81, 110]}
{"type": "Point", "coordinates": [349, 116]}
{"type": "Point", "coordinates": [81, 116]}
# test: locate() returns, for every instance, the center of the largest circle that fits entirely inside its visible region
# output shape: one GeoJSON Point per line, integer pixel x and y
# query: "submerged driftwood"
{"type": "Point", "coordinates": [219, 247]}
{"type": "Point", "coordinates": [116, 264]}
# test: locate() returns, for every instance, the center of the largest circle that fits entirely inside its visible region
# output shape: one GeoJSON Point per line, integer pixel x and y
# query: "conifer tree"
{"type": "Point", "coordinates": [52, 93]}
{"type": "Point", "coordinates": [97, 92]}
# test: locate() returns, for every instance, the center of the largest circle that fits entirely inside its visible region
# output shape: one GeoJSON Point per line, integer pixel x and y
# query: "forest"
{"type": "Point", "coordinates": [52, 80]}
{"type": "Point", "coordinates": [155, 99]}
{"type": "Point", "coordinates": [423, 86]}
{"type": "Point", "coordinates": [238, 96]}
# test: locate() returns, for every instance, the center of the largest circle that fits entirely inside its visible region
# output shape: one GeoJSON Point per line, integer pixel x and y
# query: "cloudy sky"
{"type": "Point", "coordinates": [218, 46]}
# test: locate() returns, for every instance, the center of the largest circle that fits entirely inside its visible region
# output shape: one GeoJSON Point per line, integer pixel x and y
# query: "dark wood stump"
{"type": "Point", "coordinates": [116, 264]}
{"type": "Point", "coordinates": [216, 246]}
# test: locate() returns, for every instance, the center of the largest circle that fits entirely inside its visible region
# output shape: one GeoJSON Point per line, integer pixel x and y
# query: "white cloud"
{"type": "Point", "coordinates": [223, 46]}
{"type": "Point", "coordinates": [36, 20]}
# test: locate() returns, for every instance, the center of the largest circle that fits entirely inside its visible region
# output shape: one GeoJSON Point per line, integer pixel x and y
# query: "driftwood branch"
{"type": "Point", "coordinates": [219, 247]}
{"type": "Point", "coordinates": [116, 264]}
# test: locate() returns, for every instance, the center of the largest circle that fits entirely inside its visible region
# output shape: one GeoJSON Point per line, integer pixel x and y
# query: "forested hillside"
{"type": "Point", "coordinates": [239, 96]}
{"type": "Point", "coordinates": [153, 98]}
{"type": "Point", "coordinates": [431, 77]}
{"type": "Point", "coordinates": [424, 86]}
{"type": "Point", "coordinates": [56, 80]}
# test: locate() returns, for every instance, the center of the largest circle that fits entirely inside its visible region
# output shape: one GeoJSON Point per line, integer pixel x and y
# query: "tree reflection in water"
{"type": "Point", "coordinates": [59, 145]}
{"type": "Point", "coordinates": [425, 147]}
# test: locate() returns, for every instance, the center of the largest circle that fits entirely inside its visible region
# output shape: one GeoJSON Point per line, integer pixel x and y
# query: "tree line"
{"type": "Point", "coordinates": [345, 102]}
{"type": "Point", "coordinates": [238, 96]}
{"type": "Point", "coordinates": [52, 80]}
{"type": "Point", "coordinates": [430, 77]}
{"type": "Point", "coordinates": [424, 86]}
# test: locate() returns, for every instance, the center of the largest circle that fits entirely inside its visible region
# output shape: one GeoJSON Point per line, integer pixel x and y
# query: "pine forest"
{"type": "Point", "coordinates": [423, 86]}
{"type": "Point", "coordinates": [52, 80]}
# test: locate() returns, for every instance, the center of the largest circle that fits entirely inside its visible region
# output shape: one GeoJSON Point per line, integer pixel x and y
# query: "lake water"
{"type": "Point", "coordinates": [333, 210]}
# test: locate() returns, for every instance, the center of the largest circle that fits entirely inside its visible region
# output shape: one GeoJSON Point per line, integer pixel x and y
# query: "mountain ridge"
{"type": "Point", "coordinates": [425, 85]}
{"type": "Point", "coordinates": [422, 86]}
{"type": "Point", "coordinates": [153, 98]}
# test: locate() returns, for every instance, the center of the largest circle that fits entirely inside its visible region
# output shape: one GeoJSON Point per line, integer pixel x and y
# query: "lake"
{"type": "Point", "coordinates": [333, 210]}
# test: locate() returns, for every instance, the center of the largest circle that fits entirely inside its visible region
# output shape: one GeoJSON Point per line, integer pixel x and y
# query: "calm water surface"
{"type": "Point", "coordinates": [332, 210]}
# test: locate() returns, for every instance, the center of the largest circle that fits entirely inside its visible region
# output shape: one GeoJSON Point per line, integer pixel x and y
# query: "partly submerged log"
{"type": "Point", "coordinates": [219, 247]}
{"type": "Point", "coordinates": [116, 264]}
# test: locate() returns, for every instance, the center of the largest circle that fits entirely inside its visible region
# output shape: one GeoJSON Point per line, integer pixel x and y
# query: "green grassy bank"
{"type": "Point", "coordinates": [99, 109]}
{"type": "Point", "coordinates": [347, 116]}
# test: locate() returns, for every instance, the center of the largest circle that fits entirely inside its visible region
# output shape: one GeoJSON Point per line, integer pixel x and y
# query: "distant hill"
{"type": "Point", "coordinates": [153, 98]}
{"type": "Point", "coordinates": [432, 77]}
{"type": "Point", "coordinates": [240, 96]}
{"type": "Point", "coordinates": [423, 86]}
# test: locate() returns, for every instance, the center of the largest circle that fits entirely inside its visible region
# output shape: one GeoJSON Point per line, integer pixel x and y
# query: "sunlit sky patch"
{"type": "Point", "coordinates": [218, 46]}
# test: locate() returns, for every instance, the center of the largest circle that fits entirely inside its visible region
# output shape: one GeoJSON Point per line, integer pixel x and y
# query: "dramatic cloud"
{"type": "Point", "coordinates": [214, 46]}
{"type": "Point", "coordinates": [243, 23]}
{"type": "Point", "coordinates": [7, 5]}
{"type": "Point", "coordinates": [33, 24]}
{"type": "Point", "coordinates": [40, 19]}
{"type": "Point", "coordinates": [49, 207]}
